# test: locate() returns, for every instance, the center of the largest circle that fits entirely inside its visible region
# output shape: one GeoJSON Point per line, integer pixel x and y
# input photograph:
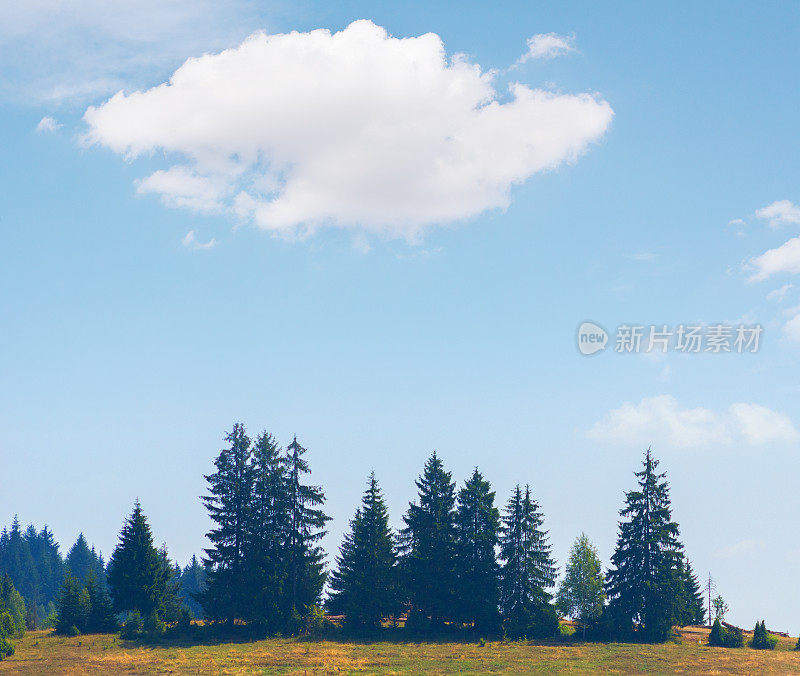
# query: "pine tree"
{"type": "Point", "coordinates": [528, 569]}
{"type": "Point", "coordinates": [73, 607]}
{"type": "Point", "coordinates": [101, 618]}
{"type": "Point", "coordinates": [428, 544]}
{"type": "Point", "coordinates": [477, 524]}
{"type": "Point", "coordinates": [193, 583]}
{"type": "Point", "coordinates": [364, 586]}
{"type": "Point", "coordinates": [81, 560]}
{"type": "Point", "coordinates": [228, 503]}
{"type": "Point", "coordinates": [580, 594]}
{"type": "Point", "coordinates": [643, 585]}
{"type": "Point", "coordinates": [691, 609]}
{"type": "Point", "coordinates": [49, 564]}
{"type": "Point", "coordinates": [134, 571]}
{"type": "Point", "coordinates": [304, 557]}
{"type": "Point", "coordinates": [169, 604]}
{"type": "Point", "coordinates": [267, 533]}
{"type": "Point", "coordinates": [17, 562]}
{"type": "Point", "coordinates": [13, 603]}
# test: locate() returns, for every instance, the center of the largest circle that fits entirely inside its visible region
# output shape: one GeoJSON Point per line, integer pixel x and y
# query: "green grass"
{"type": "Point", "coordinates": [43, 653]}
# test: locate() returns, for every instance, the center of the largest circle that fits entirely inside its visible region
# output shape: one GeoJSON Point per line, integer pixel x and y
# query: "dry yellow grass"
{"type": "Point", "coordinates": [43, 653]}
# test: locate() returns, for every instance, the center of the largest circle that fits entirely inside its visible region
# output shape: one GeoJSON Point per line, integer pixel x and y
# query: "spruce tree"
{"type": "Point", "coordinates": [17, 562]}
{"type": "Point", "coordinates": [193, 583]}
{"type": "Point", "coordinates": [429, 546]}
{"type": "Point", "coordinates": [643, 585]}
{"type": "Point", "coordinates": [267, 532]}
{"type": "Point", "coordinates": [477, 524]}
{"type": "Point", "coordinates": [81, 560]}
{"type": "Point", "coordinates": [230, 490]}
{"type": "Point", "coordinates": [691, 609]}
{"type": "Point", "coordinates": [73, 607]}
{"type": "Point", "coordinates": [364, 586]}
{"type": "Point", "coordinates": [135, 574]}
{"type": "Point", "coordinates": [304, 558]}
{"type": "Point", "coordinates": [528, 569]}
{"type": "Point", "coordinates": [580, 594]}
{"type": "Point", "coordinates": [101, 618]}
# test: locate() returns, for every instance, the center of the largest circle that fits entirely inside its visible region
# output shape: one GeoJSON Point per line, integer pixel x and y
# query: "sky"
{"type": "Point", "coordinates": [379, 226]}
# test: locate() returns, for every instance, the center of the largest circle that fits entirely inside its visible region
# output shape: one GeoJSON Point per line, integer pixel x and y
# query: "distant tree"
{"type": "Point", "coordinates": [73, 607]}
{"type": "Point", "coordinates": [720, 608]}
{"type": "Point", "coordinates": [193, 583]}
{"type": "Point", "coordinates": [267, 533]}
{"type": "Point", "coordinates": [363, 586]}
{"type": "Point", "coordinates": [643, 585]}
{"type": "Point", "coordinates": [717, 635]}
{"type": "Point", "coordinates": [135, 574]}
{"type": "Point", "coordinates": [429, 545]}
{"type": "Point", "coordinates": [528, 569]}
{"type": "Point", "coordinates": [762, 639]}
{"type": "Point", "coordinates": [692, 605]}
{"type": "Point", "coordinates": [170, 603]}
{"type": "Point", "coordinates": [101, 618]}
{"type": "Point", "coordinates": [477, 523]}
{"type": "Point", "coordinates": [82, 561]}
{"type": "Point", "coordinates": [17, 562]}
{"type": "Point", "coordinates": [304, 558]}
{"type": "Point", "coordinates": [12, 603]}
{"type": "Point", "coordinates": [48, 561]}
{"type": "Point", "coordinates": [580, 594]}
{"type": "Point", "coordinates": [228, 503]}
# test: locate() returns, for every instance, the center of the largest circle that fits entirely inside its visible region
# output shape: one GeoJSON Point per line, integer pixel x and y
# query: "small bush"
{"type": "Point", "coordinates": [797, 645]}
{"type": "Point", "coordinates": [6, 648]}
{"type": "Point", "coordinates": [734, 638]}
{"type": "Point", "coordinates": [482, 642]}
{"type": "Point", "coordinates": [717, 636]}
{"type": "Point", "coordinates": [133, 626]}
{"type": "Point", "coordinates": [72, 630]}
{"type": "Point", "coordinates": [153, 627]}
{"type": "Point", "coordinates": [184, 625]}
{"type": "Point", "coordinates": [762, 640]}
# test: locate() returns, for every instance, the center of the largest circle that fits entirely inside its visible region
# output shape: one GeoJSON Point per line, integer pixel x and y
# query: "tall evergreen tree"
{"type": "Point", "coordinates": [477, 525]}
{"type": "Point", "coordinates": [100, 618]}
{"type": "Point", "coordinates": [429, 545]}
{"type": "Point", "coordinates": [193, 583]}
{"type": "Point", "coordinates": [228, 503]}
{"type": "Point", "coordinates": [49, 564]}
{"type": "Point", "coordinates": [17, 562]}
{"type": "Point", "coordinates": [364, 586]}
{"type": "Point", "coordinates": [580, 594]}
{"type": "Point", "coordinates": [643, 585]}
{"type": "Point", "coordinates": [691, 609]}
{"type": "Point", "coordinates": [267, 532]}
{"type": "Point", "coordinates": [528, 569]}
{"type": "Point", "coordinates": [81, 560]}
{"type": "Point", "coordinates": [73, 607]}
{"type": "Point", "coordinates": [170, 603]}
{"type": "Point", "coordinates": [306, 527]}
{"type": "Point", "coordinates": [135, 574]}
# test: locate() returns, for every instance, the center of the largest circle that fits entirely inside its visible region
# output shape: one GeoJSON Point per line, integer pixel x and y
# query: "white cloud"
{"type": "Point", "coordinates": [780, 293]}
{"type": "Point", "coordinates": [548, 46]}
{"type": "Point", "coordinates": [354, 128]}
{"type": "Point", "coordinates": [740, 548]}
{"type": "Point", "coordinates": [179, 186]}
{"type": "Point", "coordinates": [190, 241]}
{"type": "Point", "coordinates": [47, 125]}
{"type": "Point", "coordinates": [661, 420]}
{"type": "Point", "coordinates": [737, 222]}
{"type": "Point", "coordinates": [785, 258]}
{"type": "Point", "coordinates": [791, 329]}
{"type": "Point", "coordinates": [780, 213]}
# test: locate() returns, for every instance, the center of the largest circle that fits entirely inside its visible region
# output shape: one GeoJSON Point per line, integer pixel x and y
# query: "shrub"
{"type": "Point", "coordinates": [761, 639]}
{"type": "Point", "coordinates": [797, 645]}
{"type": "Point", "coordinates": [6, 648]}
{"type": "Point", "coordinates": [153, 627]}
{"type": "Point", "coordinates": [734, 638]}
{"type": "Point", "coordinates": [133, 626]}
{"type": "Point", "coordinates": [7, 628]}
{"type": "Point", "coordinates": [184, 622]}
{"type": "Point", "coordinates": [717, 636]}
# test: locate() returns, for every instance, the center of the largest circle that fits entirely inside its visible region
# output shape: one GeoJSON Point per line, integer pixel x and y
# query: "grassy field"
{"type": "Point", "coordinates": [43, 653]}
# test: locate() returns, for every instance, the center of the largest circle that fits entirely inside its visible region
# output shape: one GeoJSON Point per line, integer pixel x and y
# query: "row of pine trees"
{"type": "Point", "coordinates": [459, 562]}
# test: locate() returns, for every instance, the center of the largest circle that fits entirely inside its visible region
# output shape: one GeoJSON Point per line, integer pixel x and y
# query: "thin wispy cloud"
{"type": "Point", "coordinates": [190, 241]}
{"type": "Point", "coordinates": [548, 46]}
{"type": "Point", "coordinates": [661, 419]}
{"type": "Point", "coordinates": [47, 125]}
{"type": "Point", "coordinates": [780, 293]}
{"type": "Point", "coordinates": [779, 213]}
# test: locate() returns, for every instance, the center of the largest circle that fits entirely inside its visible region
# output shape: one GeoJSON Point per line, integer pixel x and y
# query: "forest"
{"type": "Point", "coordinates": [459, 565]}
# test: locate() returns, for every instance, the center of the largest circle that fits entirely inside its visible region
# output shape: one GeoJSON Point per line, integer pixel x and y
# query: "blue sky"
{"type": "Point", "coordinates": [383, 325]}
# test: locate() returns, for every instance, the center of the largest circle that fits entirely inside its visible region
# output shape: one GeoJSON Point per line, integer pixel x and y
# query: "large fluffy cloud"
{"type": "Point", "coordinates": [662, 420]}
{"type": "Point", "coordinates": [354, 128]}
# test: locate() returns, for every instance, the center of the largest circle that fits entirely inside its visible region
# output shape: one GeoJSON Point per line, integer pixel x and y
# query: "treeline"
{"type": "Point", "coordinates": [459, 563]}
